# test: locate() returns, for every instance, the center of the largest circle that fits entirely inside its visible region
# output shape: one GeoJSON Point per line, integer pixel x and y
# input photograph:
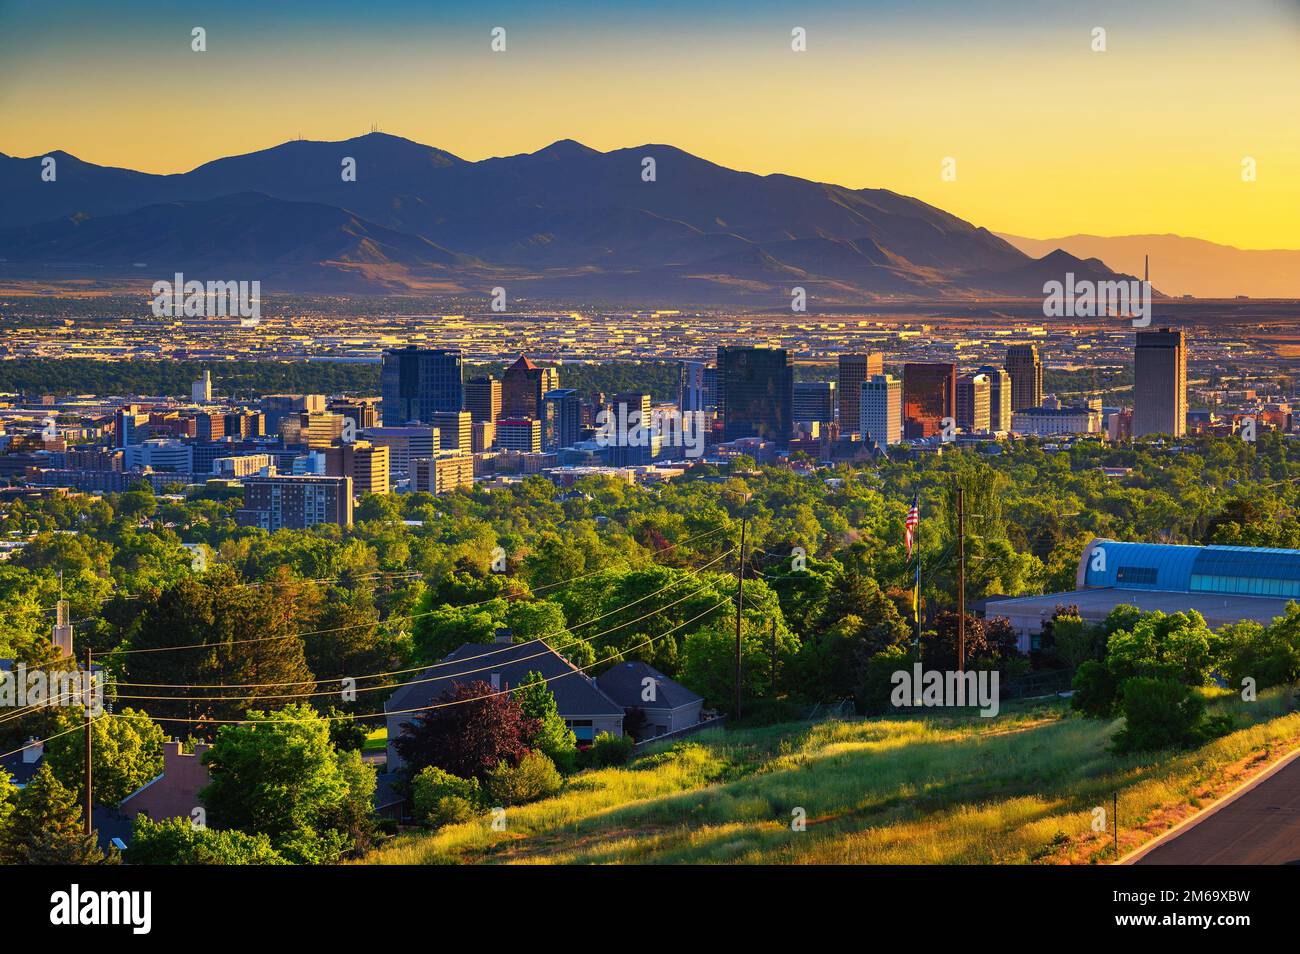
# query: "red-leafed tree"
{"type": "Point", "coordinates": [469, 737]}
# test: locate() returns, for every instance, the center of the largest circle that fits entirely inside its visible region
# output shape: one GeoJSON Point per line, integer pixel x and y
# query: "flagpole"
{"type": "Point", "coordinates": [916, 602]}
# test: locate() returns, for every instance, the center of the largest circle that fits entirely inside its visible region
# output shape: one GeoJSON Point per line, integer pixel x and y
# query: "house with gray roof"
{"type": "Point", "coordinates": [668, 705]}
{"type": "Point", "coordinates": [585, 708]}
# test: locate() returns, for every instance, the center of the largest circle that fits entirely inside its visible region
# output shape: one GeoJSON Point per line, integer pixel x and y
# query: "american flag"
{"type": "Point", "coordinates": [909, 531]}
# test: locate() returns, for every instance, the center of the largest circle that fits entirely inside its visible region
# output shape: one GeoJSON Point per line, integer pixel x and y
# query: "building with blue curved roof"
{"type": "Point", "coordinates": [1223, 584]}
{"type": "Point", "coordinates": [1249, 571]}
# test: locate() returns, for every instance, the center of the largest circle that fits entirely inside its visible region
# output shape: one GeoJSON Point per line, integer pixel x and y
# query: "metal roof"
{"type": "Point", "coordinates": [1256, 571]}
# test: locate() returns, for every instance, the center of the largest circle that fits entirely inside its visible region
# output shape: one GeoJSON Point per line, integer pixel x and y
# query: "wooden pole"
{"type": "Point", "coordinates": [961, 580]}
{"type": "Point", "coordinates": [740, 604]}
{"type": "Point", "coordinates": [85, 705]}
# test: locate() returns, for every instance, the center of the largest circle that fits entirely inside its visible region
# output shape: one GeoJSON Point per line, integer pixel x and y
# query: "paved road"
{"type": "Point", "coordinates": [1261, 826]}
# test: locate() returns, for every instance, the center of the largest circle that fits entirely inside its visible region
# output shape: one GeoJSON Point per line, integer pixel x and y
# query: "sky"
{"type": "Point", "coordinates": [1047, 136]}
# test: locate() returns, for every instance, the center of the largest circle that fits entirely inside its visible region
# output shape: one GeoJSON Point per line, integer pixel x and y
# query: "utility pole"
{"type": "Point", "coordinates": [1114, 817]}
{"type": "Point", "coordinates": [961, 580]}
{"type": "Point", "coordinates": [85, 707]}
{"type": "Point", "coordinates": [772, 688]}
{"type": "Point", "coordinates": [740, 602]}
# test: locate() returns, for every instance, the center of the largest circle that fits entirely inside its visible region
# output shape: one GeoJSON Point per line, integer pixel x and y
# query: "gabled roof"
{"type": "Point", "coordinates": [575, 693]}
{"type": "Point", "coordinates": [623, 683]}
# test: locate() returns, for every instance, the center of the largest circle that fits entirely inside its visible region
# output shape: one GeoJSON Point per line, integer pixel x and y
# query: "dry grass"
{"type": "Point", "coordinates": [936, 790]}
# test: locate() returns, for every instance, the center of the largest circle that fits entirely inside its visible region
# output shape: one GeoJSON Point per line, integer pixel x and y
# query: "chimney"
{"type": "Point", "coordinates": [33, 751]}
{"type": "Point", "coordinates": [171, 752]}
{"type": "Point", "coordinates": [504, 635]}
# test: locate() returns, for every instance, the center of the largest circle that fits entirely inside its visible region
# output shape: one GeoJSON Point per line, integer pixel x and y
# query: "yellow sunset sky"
{"type": "Point", "coordinates": [1050, 138]}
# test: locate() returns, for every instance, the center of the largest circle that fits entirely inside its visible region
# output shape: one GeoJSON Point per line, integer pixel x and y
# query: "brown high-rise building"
{"type": "Point", "coordinates": [1026, 370]}
{"type": "Point", "coordinates": [295, 503]}
{"type": "Point", "coordinates": [483, 399]}
{"type": "Point", "coordinates": [524, 386]}
{"type": "Point", "coordinates": [443, 473]}
{"type": "Point", "coordinates": [854, 369]}
{"type": "Point", "coordinates": [363, 412]}
{"type": "Point", "coordinates": [455, 429]}
{"type": "Point", "coordinates": [483, 436]}
{"type": "Point", "coordinates": [929, 396]}
{"type": "Point", "coordinates": [244, 424]}
{"type": "Point", "coordinates": [1160, 383]}
{"type": "Point", "coordinates": [364, 462]}
{"type": "Point", "coordinates": [209, 426]}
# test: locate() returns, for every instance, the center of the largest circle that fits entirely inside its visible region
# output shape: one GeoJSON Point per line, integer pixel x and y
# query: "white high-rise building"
{"type": "Point", "coordinates": [880, 412]}
{"type": "Point", "coordinates": [201, 390]}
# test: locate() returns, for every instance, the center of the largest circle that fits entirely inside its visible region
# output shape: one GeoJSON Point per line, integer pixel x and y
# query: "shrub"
{"type": "Point", "coordinates": [760, 713]}
{"type": "Point", "coordinates": [174, 841]}
{"type": "Point", "coordinates": [1095, 690]}
{"type": "Point", "coordinates": [441, 798]}
{"type": "Point", "coordinates": [1269, 655]}
{"type": "Point", "coordinates": [535, 777]}
{"type": "Point", "coordinates": [876, 679]}
{"type": "Point", "coordinates": [607, 750]}
{"type": "Point", "coordinates": [1160, 714]}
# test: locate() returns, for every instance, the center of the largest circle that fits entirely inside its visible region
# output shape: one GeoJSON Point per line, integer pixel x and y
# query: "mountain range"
{"type": "Point", "coordinates": [566, 221]}
{"type": "Point", "coordinates": [1185, 266]}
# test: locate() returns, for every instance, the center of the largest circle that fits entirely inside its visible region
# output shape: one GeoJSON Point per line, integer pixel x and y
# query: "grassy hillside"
{"type": "Point", "coordinates": [954, 789]}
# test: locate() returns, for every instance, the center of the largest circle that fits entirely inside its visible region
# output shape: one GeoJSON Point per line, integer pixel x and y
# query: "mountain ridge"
{"type": "Point", "coordinates": [566, 220]}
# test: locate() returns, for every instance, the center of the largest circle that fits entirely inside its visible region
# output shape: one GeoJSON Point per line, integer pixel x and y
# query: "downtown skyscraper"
{"type": "Point", "coordinates": [929, 396]}
{"type": "Point", "coordinates": [1160, 383]}
{"type": "Point", "coordinates": [756, 393]}
{"type": "Point", "coordinates": [416, 383]}
{"type": "Point", "coordinates": [853, 370]}
{"type": "Point", "coordinates": [1026, 370]}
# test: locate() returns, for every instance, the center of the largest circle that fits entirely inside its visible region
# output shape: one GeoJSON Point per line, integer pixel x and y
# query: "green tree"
{"type": "Point", "coordinates": [552, 737]}
{"type": "Point", "coordinates": [45, 827]}
{"type": "Point", "coordinates": [1159, 714]}
{"type": "Point", "coordinates": [1179, 646]}
{"type": "Point", "coordinates": [8, 795]}
{"type": "Point", "coordinates": [126, 752]}
{"type": "Point", "coordinates": [279, 775]}
{"type": "Point", "coordinates": [1268, 654]}
{"type": "Point", "coordinates": [240, 636]}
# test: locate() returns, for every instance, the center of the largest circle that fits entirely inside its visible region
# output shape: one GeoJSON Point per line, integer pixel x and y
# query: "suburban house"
{"type": "Point", "coordinates": [585, 708]}
{"type": "Point", "coordinates": [667, 704]}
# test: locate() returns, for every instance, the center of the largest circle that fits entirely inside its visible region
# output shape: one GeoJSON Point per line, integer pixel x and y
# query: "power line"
{"type": "Point", "coordinates": [339, 629]}
{"type": "Point", "coordinates": [76, 728]}
{"type": "Point", "coordinates": [441, 705]}
{"type": "Point", "coordinates": [427, 666]}
{"type": "Point", "coordinates": [334, 692]}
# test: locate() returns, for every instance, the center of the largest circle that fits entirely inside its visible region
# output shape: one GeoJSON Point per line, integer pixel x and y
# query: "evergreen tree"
{"type": "Point", "coordinates": [46, 828]}
{"type": "Point", "coordinates": [552, 737]}
{"type": "Point", "coordinates": [241, 634]}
